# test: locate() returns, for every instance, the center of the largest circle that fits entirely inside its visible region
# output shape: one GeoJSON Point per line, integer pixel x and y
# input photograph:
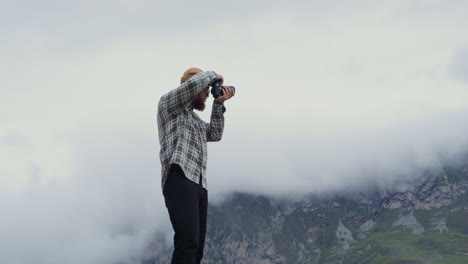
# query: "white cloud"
{"type": "Point", "coordinates": [35, 159]}
{"type": "Point", "coordinates": [107, 210]}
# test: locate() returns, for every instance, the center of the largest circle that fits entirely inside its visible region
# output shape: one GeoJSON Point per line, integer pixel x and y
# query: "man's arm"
{"type": "Point", "coordinates": [214, 129]}
{"type": "Point", "coordinates": [180, 98]}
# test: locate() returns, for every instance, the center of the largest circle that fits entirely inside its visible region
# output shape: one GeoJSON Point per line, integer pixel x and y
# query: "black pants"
{"type": "Point", "coordinates": [187, 203]}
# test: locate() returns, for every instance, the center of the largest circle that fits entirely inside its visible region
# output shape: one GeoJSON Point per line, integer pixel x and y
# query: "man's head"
{"type": "Point", "coordinates": [199, 100]}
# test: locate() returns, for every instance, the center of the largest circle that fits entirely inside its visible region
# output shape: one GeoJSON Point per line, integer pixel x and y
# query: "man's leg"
{"type": "Point", "coordinates": [203, 203]}
{"type": "Point", "coordinates": [182, 202]}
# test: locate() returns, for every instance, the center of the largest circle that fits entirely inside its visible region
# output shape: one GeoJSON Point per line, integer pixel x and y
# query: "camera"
{"type": "Point", "coordinates": [216, 90]}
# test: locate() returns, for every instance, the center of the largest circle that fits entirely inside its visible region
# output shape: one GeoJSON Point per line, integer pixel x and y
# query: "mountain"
{"type": "Point", "coordinates": [424, 220]}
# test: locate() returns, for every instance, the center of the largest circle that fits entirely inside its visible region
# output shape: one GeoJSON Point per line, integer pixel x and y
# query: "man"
{"type": "Point", "coordinates": [183, 136]}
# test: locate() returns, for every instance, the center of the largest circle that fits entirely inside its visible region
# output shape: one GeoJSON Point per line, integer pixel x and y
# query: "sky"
{"type": "Point", "coordinates": [328, 95]}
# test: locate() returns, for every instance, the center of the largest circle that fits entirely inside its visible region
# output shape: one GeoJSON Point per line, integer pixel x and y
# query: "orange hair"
{"type": "Point", "coordinates": [189, 73]}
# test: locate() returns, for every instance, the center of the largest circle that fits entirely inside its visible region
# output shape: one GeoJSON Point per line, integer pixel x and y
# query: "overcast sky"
{"type": "Point", "coordinates": [329, 94]}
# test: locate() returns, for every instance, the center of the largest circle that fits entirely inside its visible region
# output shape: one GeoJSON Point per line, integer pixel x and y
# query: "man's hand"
{"type": "Point", "coordinates": [227, 94]}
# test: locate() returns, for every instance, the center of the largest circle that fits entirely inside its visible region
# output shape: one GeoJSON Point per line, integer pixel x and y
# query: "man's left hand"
{"type": "Point", "coordinates": [227, 94]}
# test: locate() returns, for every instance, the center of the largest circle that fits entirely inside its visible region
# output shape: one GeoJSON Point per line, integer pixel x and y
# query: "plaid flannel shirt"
{"type": "Point", "coordinates": [183, 134]}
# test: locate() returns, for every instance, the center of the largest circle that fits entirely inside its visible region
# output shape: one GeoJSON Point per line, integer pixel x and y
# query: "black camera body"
{"type": "Point", "coordinates": [216, 90]}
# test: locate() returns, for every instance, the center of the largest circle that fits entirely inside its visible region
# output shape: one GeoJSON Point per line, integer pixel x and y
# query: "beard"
{"type": "Point", "coordinates": [198, 104]}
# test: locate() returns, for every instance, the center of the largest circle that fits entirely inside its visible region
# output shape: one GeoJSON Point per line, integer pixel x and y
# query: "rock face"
{"type": "Point", "coordinates": [440, 225]}
{"type": "Point", "coordinates": [426, 222]}
{"type": "Point", "coordinates": [410, 222]}
{"type": "Point", "coordinates": [430, 191]}
{"type": "Point", "coordinates": [344, 236]}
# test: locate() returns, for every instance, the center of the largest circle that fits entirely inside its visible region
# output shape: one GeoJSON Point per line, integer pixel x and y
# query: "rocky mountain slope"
{"type": "Point", "coordinates": [425, 222]}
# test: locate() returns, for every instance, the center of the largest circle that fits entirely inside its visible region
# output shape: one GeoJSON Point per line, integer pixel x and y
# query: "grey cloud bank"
{"type": "Point", "coordinates": [63, 27]}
